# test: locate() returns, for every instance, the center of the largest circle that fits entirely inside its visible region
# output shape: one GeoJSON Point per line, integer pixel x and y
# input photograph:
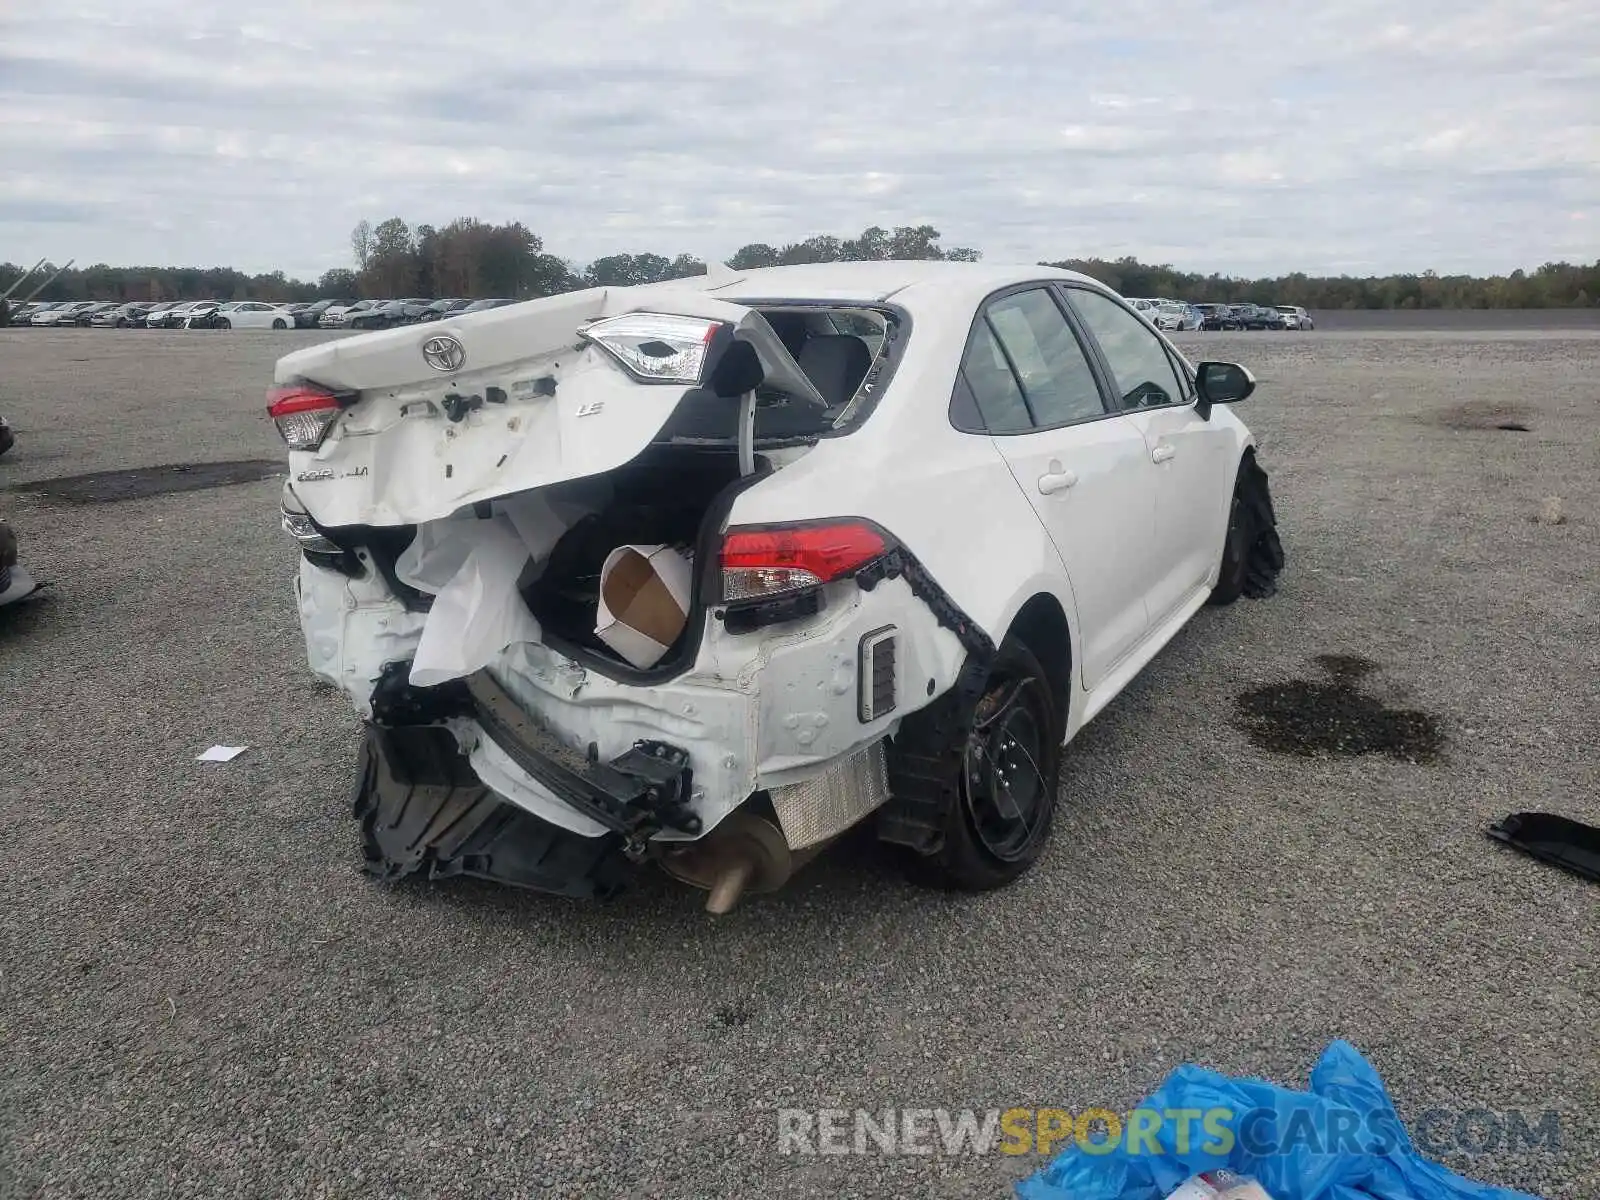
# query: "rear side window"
{"type": "Point", "coordinates": [994, 388]}
{"type": "Point", "coordinates": [1056, 379]}
{"type": "Point", "coordinates": [1024, 369]}
{"type": "Point", "coordinates": [1143, 373]}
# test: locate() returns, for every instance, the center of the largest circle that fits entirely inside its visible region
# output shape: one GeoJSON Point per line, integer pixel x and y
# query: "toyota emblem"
{"type": "Point", "coordinates": [444, 352]}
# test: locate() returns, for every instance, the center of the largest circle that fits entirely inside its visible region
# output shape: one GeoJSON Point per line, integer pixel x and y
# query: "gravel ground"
{"type": "Point", "coordinates": [200, 995]}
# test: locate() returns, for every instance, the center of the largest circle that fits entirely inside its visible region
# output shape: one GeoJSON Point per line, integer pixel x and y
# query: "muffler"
{"type": "Point", "coordinates": [745, 853]}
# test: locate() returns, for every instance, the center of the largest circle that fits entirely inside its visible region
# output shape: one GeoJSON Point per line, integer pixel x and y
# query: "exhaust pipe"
{"type": "Point", "coordinates": [745, 853]}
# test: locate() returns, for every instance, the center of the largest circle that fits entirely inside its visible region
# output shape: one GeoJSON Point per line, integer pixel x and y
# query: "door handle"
{"type": "Point", "coordinates": [1056, 480]}
{"type": "Point", "coordinates": [1161, 453]}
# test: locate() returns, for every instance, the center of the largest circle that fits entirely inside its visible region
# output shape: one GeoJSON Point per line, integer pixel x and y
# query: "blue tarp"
{"type": "Point", "coordinates": [1342, 1140]}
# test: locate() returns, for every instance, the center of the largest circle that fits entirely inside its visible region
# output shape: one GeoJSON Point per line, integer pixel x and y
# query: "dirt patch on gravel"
{"type": "Point", "coordinates": [1307, 718]}
{"type": "Point", "coordinates": [106, 487]}
{"type": "Point", "coordinates": [1510, 418]}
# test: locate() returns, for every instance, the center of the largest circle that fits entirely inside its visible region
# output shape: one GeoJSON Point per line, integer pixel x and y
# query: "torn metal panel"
{"type": "Point", "coordinates": [352, 628]}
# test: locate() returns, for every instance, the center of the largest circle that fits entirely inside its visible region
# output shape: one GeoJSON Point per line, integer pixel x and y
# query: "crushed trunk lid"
{"type": "Point", "coordinates": [459, 412]}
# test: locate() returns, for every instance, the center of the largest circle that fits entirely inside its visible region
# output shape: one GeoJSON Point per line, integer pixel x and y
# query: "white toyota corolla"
{"type": "Point", "coordinates": [705, 573]}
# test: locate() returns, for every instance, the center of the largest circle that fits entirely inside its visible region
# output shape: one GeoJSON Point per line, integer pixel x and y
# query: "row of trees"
{"type": "Point", "coordinates": [1554, 285]}
{"type": "Point", "coordinates": [473, 258]}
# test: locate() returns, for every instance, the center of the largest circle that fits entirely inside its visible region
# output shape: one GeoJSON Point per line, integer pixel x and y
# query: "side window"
{"type": "Point", "coordinates": [1056, 378]}
{"type": "Point", "coordinates": [1145, 377]}
{"type": "Point", "coordinates": [994, 388]}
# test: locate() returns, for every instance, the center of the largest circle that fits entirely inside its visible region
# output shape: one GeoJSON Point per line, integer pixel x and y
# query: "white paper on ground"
{"type": "Point", "coordinates": [221, 754]}
{"type": "Point", "coordinates": [479, 612]}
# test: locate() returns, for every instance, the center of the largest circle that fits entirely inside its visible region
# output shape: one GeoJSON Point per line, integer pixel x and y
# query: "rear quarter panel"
{"type": "Point", "coordinates": [947, 496]}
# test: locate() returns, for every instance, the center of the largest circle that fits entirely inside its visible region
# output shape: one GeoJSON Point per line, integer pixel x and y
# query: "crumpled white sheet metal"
{"type": "Point", "coordinates": [352, 628]}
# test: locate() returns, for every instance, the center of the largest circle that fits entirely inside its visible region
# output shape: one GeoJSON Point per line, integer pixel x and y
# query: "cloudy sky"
{"type": "Point", "coordinates": [1235, 135]}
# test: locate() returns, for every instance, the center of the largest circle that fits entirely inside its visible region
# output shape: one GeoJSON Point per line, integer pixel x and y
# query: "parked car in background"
{"type": "Point", "coordinates": [389, 313]}
{"type": "Point", "coordinates": [198, 316]}
{"type": "Point", "coordinates": [23, 313]}
{"type": "Point", "coordinates": [1175, 316]}
{"type": "Point", "coordinates": [443, 308]}
{"type": "Point", "coordinates": [62, 314]}
{"type": "Point", "coordinates": [119, 316]}
{"type": "Point", "coordinates": [1216, 317]}
{"type": "Point", "coordinates": [154, 311]}
{"type": "Point", "coordinates": [173, 317]}
{"type": "Point", "coordinates": [86, 316]}
{"type": "Point", "coordinates": [1271, 318]}
{"type": "Point", "coordinates": [1295, 317]}
{"type": "Point", "coordinates": [337, 317]}
{"type": "Point", "coordinates": [241, 314]}
{"type": "Point", "coordinates": [1247, 316]}
{"type": "Point", "coordinates": [310, 317]}
{"type": "Point", "coordinates": [1145, 308]}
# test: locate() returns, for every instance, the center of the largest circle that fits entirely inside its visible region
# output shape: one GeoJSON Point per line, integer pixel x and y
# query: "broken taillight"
{"type": "Point", "coordinates": [303, 413]}
{"type": "Point", "coordinates": [656, 347]}
{"type": "Point", "coordinates": [761, 563]}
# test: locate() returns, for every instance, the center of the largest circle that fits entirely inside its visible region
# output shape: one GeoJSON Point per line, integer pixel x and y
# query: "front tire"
{"type": "Point", "coordinates": [1252, 555]}
{"type": "Point", "coordinates": [279, 324]}
{"type": "Point", "coordinates": [1004, 770]}
{"type": "Point", "coordinates": [223, 323]}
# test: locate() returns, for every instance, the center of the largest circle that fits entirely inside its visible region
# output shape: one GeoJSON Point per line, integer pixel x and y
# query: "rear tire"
{"type": "Point", "coordinates": [1007, 768]}
{"type": "Point", "coordinates": [1252, 555]}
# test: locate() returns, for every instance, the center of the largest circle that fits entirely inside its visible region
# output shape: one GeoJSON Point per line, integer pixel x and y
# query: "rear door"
{"type": "Point", "coordinates": [1028, 382]}
{"type": "Point", "coordinates": [1190, 456]}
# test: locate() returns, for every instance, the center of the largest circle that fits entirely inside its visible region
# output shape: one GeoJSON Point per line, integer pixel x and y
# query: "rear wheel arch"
{"type": "Point", "coordinates": [1041, 625]}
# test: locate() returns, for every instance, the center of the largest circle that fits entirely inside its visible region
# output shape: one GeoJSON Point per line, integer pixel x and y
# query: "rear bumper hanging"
{"type": "Point", "coordinates": [423, 810]}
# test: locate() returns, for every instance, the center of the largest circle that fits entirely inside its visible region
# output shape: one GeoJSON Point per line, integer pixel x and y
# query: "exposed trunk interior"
{"type": "Point", "coordinates": [662, 497]}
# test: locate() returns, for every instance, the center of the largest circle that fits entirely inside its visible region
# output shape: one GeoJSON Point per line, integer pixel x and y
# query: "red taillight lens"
{"type": "Point", "coordinates": [303, 413]}
{"type": "Point", "coordinates": [757, 563]}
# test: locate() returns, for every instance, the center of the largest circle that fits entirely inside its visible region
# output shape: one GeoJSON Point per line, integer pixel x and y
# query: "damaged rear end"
{"type": "Point", "coordinates": [523, 564]}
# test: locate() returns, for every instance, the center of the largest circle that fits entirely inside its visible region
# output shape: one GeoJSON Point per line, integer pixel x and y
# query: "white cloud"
{"type": "Point", "coordinates": [1250, 139]}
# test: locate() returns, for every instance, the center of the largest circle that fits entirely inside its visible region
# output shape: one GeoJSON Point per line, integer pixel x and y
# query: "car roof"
{"type": "Point", "coordinates": [866, 282]}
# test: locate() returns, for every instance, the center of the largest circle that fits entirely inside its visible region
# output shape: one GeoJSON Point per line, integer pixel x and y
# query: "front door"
{"type": "Point", "coordinates": [1190, 455]}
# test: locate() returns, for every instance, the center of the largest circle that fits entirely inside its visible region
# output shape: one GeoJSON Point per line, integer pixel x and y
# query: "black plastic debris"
{"type": "Point", "coordinates": [1559, 841]}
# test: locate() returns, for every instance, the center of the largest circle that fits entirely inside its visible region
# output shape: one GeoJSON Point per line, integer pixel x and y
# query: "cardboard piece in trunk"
{"type": "Point", "coordinates": [644, 601]}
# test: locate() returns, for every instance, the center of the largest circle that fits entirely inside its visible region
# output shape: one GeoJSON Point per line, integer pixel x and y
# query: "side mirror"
{"type": "Point", "coordinates": [1223, 383]}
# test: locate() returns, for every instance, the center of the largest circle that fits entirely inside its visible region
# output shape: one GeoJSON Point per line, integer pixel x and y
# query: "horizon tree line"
{"type": "Point", "coordinates": [472, 258]}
